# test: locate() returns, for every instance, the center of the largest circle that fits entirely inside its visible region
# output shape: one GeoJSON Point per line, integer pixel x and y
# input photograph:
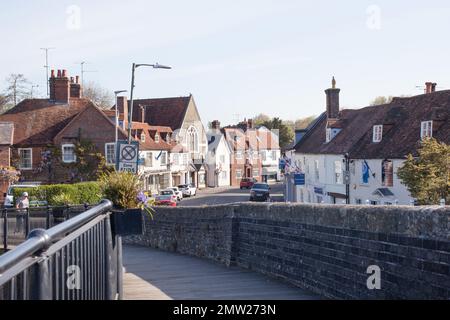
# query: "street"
{"type": "Point", "coordinates": [228, 195]}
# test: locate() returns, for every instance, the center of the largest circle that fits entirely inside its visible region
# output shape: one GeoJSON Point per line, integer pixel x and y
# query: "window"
{"type": "Point", "coordinates": [157, 137]}
{"type": "Point", "coordinates": [142, 137]}
{"type": "Point", "coordinates": [328, 135]}
{"type": "Point", "coordinates": [148, 161]}
{"type": "Point", "coordinates": [377, 133]}
{"type": "Point", "coordinates": [387, 173]}
{"type": "Point", "coordinates": [373, 202]}
{"type": "Point", "coordinates": [110, 153]}
{"type": "Point", "coordinates": [163, 158]}
{"type": "Point", "coordinates": [358, 201]}
{"type": "Point", "coordinates": [255, 172]}
{"type": "Point", "coordinates": [426, 130]}
{"type": "Point", "coordinates": [26, 159]}
{"type": "Point", "coordinates": [274, 155]}
{"type": "Point", "coordinates": [176, 159]}
{"type": "Point", "coordinates": [239, 174]}
{"type": "Point", "coordinates": [222, 158]}
{"type": "Point", "coordinates": [338, 177]}
{"type": "Point", "coordinates": [168, 138]}
{"type": "Point", "coordinates": [316, 169]}
{"type": "Point", "coordinates": [192, 137]}
{"type": "Point", "coordinates": [238, 154]}
{"type": "Point", "coordinates": [185, 158]}
{"type": "Point", "coordinates": [263, 156]}
{"type": "Point", "coordinates": [68, 153]}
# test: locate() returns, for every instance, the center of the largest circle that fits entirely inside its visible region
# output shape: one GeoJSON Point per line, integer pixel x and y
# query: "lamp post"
{"type": "Point", "coordinates": [130, 112]}
{"type": "Point", "coordinates": [116, 93]}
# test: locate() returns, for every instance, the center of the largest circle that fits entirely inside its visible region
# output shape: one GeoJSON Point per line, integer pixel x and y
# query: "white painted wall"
{"type": "Point", "coordinates": [218, 159]}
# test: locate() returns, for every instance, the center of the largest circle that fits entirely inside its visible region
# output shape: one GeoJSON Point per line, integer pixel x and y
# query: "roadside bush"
{"type": "Point", "coordinates": [121, 188]}
{"type": "Point", "coordinates": [58, 194]}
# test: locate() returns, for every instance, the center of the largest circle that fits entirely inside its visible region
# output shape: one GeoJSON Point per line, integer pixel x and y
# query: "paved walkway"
{"type": "Point", "coordinates": [157, 275]}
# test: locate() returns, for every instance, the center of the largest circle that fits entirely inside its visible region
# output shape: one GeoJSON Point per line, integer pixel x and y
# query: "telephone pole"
{"type": "Point", "coordinates": [47, 67]}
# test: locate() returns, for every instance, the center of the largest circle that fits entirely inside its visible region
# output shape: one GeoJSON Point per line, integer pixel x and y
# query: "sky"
{"type": "Point", "coordinates": [237, 58]}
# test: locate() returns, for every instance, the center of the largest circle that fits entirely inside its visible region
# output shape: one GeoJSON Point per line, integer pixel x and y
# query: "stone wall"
{"type": "Point", "coordinates": [323, 248]}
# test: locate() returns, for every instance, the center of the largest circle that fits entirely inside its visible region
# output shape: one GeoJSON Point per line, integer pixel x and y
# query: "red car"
{"type": "Point", "coordinates": [247, 183]}
{"type": "Point", "coordinates": [165, 200]}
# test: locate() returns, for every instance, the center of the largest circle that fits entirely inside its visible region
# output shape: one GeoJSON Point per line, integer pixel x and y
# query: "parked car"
{"type": "Point", "coordinates": [165, 200]}
{"type": "Point", "coordinates": [260, 192]}
{"type": "Point", "coordinates": [178, 193]}
{"type": "Point", "coordinates": [188, 190]}
{"type": "Point", "coordinates": [9, 195]}
{"type": "Point", "coordinates": [169, 192]}
{"type": "Point", "coordinates": [247, 183]}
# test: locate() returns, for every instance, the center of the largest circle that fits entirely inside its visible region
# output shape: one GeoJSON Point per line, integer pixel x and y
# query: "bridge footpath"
{"type": "Point", "coordinates": [157, 275]}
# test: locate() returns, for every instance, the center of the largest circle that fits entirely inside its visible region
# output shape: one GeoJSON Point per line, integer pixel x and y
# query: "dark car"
{"type": "Point", "coordinates": [260, 192]}
{"type": "Point", "coordinates": [247, 183]}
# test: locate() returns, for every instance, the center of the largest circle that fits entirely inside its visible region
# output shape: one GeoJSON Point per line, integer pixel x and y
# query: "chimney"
{"type": "Point", "coordinates": [250, 123]}
{"type": "Point", "coordinates": [215, 125]}
{"type": "Point", "coordinates": [59, 87]}
{"type": "Point", "coordinates": [430, 87]}
{"type": "Point", "coordinates": [142, 113]}
{"type": "Point", "coordinates": [75, 88]}
{"type": "Point", "coordinates": [122, 107]}
{"type": "Point", "coordinates": [332, 101]}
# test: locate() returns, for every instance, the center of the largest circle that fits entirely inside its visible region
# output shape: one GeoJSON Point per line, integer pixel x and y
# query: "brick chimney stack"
{"type": "Point", "coordinates": [430, 87]}
{"type": "Point", "coordinates": [75, 88]}
{"type": "Point", "coordinates": [59, 87]}
{"type": "Point", "coordinates": [142, 113]}
{"type": "Point", "coordinates": [215, 125]}
{"type": "Point", "coordinates": [122, 107]}
{"type": "Point", "coordinates": [332, 100]}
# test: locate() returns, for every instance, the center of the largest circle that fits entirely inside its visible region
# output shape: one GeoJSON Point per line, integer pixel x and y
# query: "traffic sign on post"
{"type": "Point", "coordinates": [127, 156]}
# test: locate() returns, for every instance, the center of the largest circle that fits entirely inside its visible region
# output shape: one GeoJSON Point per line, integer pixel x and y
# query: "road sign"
{"type": "Point", "coordinates": [127, 156]}
{"type": "Point", "coordinates": [299, 179]}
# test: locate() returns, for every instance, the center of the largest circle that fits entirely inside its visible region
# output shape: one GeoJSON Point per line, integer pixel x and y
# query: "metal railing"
{"type": "Point", "coordinates": [78, 259]}
{"type": "Point", "coordinates": [15, 224]}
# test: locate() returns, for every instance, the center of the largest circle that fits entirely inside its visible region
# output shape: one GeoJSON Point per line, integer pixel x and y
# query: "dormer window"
{"type": "Point", "coordinates": [142, 137]}
{"type": "Point", "coordinates": [157, 137]}
{"type": "Point", "coordinates": [331, 133]}
{"type": "Point", "coordinates": [377, 133]}
{"type": "Point", "coordinates": [426, 129]}
{"type": "Point", "coordinates": [328, 135]}
{"type": "Point", "coordinates": [168, 138]}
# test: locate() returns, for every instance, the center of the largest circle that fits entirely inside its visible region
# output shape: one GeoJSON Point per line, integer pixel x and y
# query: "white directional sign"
{"type": "Point", "coordinates": [127, 157]}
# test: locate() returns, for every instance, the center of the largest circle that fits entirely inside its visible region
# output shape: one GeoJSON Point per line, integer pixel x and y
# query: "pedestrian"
{"type": "Point", "coordinates": [22, 204]}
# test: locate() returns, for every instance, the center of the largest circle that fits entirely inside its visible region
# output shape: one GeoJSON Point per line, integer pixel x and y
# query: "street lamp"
{"type": "Point", "coordinates": [130, 112]}
{"type": "Point", "coordinates": [116, 93]}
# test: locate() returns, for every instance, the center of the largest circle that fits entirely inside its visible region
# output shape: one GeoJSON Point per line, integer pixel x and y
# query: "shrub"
{"type": "Point", "coordinates": [121, 188]}
{"type": "Point", "coordinates": [55, 194]}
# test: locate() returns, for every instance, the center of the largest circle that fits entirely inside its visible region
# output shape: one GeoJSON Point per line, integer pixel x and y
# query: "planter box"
{"type": "Point", "coordinates": [129, 222]}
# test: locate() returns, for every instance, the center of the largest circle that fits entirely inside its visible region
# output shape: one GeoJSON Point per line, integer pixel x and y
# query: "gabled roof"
{"type": "Point", "coordinates": [38, 121]}
{"type": "Point", "coordinates": [167, 112]}
{"type": "Point", "coordinates": [401, 128]}
{"type": "Point", "coordinates": [149, 132]}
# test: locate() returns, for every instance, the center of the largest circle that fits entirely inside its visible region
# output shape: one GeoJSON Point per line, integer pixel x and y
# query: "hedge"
{"type": "Point", "coordinates": [78, 193]}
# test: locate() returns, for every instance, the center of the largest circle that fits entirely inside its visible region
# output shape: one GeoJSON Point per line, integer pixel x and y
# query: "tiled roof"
{"type": "Point", "coordinates": [149, 143]}
{"type": "Point", "coordinates": [38, 121]}
{"type": "Point", "coordinates": [166, 112]}
{"type": "Point", "coordinates": [401, 121]}
{"type": "Point", "coordinates": [6, 133]}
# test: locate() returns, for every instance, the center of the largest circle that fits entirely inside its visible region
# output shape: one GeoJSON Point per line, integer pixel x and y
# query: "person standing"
{"type": "Point", "coordinates": [22, 204]}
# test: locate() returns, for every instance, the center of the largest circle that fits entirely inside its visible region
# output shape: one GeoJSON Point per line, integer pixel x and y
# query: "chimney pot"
{"type": "Point", "coordinates": [59, 73]}
{"type": "Point", "coordinates": [215, 125]}
{"type": "Point", "coordinates": [430, 87]}
{"type": "Point", "coordinates": [72, 80]}
{"type": "Point", "coordinates": [77, 79]}
{"type": "Point", "coordinates": [52, 74]}
{"type": "Point", "coordinates": [64, 73]}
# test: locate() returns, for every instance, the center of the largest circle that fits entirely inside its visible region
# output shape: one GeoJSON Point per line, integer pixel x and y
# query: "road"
{"type": "Point", "coordinates": [228, 195]}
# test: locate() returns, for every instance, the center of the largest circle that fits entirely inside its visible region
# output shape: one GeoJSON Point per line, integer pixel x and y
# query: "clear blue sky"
{"type": "Point", "coordinates": [236, 57]}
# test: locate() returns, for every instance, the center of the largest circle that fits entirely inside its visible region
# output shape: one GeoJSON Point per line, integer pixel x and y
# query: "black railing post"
{"type": "Point", "coordinates": [119, 267]}
{"type": "Point", "coordinates": [27, 221]}
{"type": "Point", "coordinates": [109, 262]}
{"type": "Point", "coordinates": [47, 218]}
{"type": "Point", "coordinates": [5, 229]}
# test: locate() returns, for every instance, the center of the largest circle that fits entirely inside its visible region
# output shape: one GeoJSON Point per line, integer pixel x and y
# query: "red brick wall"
{"type": "Point", "coordinates": [4, 156]}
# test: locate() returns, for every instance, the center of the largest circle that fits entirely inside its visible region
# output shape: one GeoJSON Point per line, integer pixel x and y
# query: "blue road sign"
{"type": "Point", "coordinates": [299, 179]}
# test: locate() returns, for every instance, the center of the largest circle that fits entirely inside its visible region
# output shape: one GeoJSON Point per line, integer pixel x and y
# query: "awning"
{"type": "Point", "coordinates": [337, 195]}
{"type": "Point", "coordinates": [383, 192]}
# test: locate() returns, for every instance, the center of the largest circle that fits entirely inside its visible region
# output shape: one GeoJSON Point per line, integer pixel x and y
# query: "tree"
{"type": "Point", "coordinates": [303, 123]}
{"type": "Point", "coordinates": [16, 89]}
{"type": "Point", "coordinates": [381, 100]}
{"type": "Point", "coordinates": [427, 177]}
{"type": "Point", "coordinates": [3, 103]}
{"type": "Point", "coordinates": [285, 133]}
{"type": "Point", "coordinates": [260, 119]}
{"type": "Point", "coordinates": [103, 98]}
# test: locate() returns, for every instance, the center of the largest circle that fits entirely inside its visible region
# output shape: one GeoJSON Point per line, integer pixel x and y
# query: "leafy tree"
{"type": "Point", "coordinates": [303, 123]}
{"type": "Point", "coordinates": [427, 177]}
{"type": "Point", "coordinates": [260, 119]}
{"type": "Point", "coordinates": [381, 100]}
{"type": "Point", "coordinates": [3, 103]}
{"type": "Point", "coordinates": [103, 98]}
{"type": "Point", "coordinates": [286, 134]}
